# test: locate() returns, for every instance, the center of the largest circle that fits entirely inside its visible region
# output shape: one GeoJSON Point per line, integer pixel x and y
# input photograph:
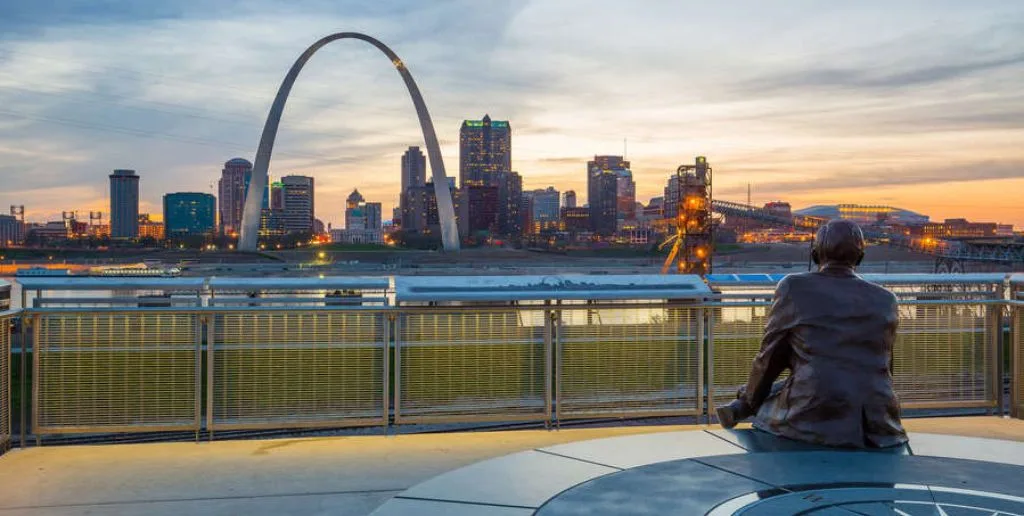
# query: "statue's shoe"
{"type": "Point", "coordinates": [726, 416]}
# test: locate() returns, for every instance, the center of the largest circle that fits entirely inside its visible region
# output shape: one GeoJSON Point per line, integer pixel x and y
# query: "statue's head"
{"type": "Point", "coordinates": [839, 242]}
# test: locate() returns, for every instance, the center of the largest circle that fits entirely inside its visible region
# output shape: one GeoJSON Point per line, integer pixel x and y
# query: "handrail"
{"type": "Point", "coordinates": [538, 359]}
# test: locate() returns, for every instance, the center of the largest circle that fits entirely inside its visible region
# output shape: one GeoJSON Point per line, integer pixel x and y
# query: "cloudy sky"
{"type": "Point", "coordinates": [917, 104]}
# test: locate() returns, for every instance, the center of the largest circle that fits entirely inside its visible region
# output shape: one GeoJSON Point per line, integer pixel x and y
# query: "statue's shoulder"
{"type": "Point", "coordinates": [798, 279]}
{"type": "Point", "coordinates": [882, 293]}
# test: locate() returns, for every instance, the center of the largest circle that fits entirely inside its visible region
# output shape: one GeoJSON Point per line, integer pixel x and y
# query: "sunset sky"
{"type": "Point", "coordinates": [916, 104]}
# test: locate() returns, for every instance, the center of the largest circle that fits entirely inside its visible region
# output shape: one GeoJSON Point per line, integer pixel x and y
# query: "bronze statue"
{"type": "Point", "coordinates": [834, 332]}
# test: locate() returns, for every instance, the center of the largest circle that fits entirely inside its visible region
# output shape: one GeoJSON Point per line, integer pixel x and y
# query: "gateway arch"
{"type": "Point", "coordinates": [258, 184]}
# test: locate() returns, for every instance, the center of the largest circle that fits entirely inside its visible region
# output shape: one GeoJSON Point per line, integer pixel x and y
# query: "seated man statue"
{"type": "Point", "coordinates": [834, 332]}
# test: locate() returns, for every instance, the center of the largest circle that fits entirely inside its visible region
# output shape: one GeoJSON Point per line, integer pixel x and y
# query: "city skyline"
{"type": "Point", "coordinates": [798, 101]}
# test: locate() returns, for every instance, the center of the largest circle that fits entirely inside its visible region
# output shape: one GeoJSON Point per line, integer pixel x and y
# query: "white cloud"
{"type": "Point", "coordinates": [177, 93]}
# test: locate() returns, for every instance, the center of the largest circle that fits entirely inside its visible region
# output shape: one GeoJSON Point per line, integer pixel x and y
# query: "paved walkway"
{"type": "Point", "coordinates": [332, 475]}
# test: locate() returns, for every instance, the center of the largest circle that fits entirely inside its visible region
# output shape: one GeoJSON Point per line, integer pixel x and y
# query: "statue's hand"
{"type": "Point", "coordinates": [741, 391]}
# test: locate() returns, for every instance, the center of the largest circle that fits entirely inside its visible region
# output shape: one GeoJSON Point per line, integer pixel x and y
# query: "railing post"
{"type": "Point", "coordinates": [1017, 364]}
{"type": "Point", "coordinates": [398, 368]}
{"type": "Point", "coordinates": [211, 323]}
{"type": "Point", "coordinates": [700, 367]}
{"type": "Point", "coordinates": [711, 363]}
{"type": "Point", "coordinates": [550, 318]}
{"type": "Point", "coordinates": [995, 326]}
{"type": "Point", "coordinates": [6, 405]}
{"type": "Point", "coordinates": [556, 354]}
{"type": "Point", "coordinates": [389, 321]}
{"type": "Point", "coordinates": [200, 321]}
{"type": "Point", "coordinates": [35, 382]}
{"type": "Point", "coordinates": [23, 383]}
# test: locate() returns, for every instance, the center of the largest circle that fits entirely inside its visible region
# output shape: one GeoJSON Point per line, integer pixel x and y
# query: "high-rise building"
{"type": "Point", "coordinates": [414, 176]}
{"type": "Point", "coordinates": [671, 199]}
{"type": "Point", "coordinates": [625, 195]}
{"type": "Point", "coordinates": [485, 151]}
{"type": "Point", "coordinates": [272, 214]}
{"type": "Point", "coordinates": [510, 196]}
{"type": "Point", "coordinates": [189, 214]}
{"type": "Point", "coordinates": [231, 190]}
{"type": "Point", "coordinates": [603, 178]}
{"type": "Point", "coordinates": [485, 163]}
{"type": "Point", "coordinates": [544, 209]}
{"type": "Point", "coordinates": [414, 168]}
{"type": "Point", "coordinates": [374, 220]}
{"type": "Point", "coordinates": [298, 203]}
{"type": "Point", "coordinates": [277, 195]}
{"type": "Point", "coordinates": [569, 199]}
{"type": "Point", "coordinates": [10, 230]}
{"type": "Point", "coordinates": [124, 204]}
{"type": "Point", "coordinates": [479, 209]}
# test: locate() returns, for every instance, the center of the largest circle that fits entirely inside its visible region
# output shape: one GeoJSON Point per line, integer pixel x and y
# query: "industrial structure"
{"type": "Point", "coordinates": [692, 243]}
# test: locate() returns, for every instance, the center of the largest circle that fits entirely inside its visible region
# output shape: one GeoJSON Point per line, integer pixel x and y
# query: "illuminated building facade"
{"type": "Point", "coordinates": [490, 189]}
{"type": "Point", "coordinates": [485, 151]}
{"type": "Point", "coordinates": [98, 230]}
{"type": "Point", "coordinates": [231, 190]}
{"type": "Point", "coordinates": [53, 231]}
{"type": "Point", "coordinates": [959, 229]}
{"type": "Point", "coordinates": [625, 200]}
{"type": "Point", "coordinates": [866, 214]}
{"type": "Point", "coordinates": [603, 186]}
{"type": "Point", "coordinates": [189, 214]}
{"type": "Point", "coordinates": [149, 228]}
{"type": "Point", "coordinates": [298, 203]}
{"type": "Point", "coordinates": [545, 205]}
{"type": "Point", "coordinates": [575, 220]}
{"type": "Point", "coordinates": [510, 197]}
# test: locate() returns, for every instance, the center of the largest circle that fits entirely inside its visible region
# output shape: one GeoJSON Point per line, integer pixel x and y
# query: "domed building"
{"type": "Point", "coordinates": [866, 214]}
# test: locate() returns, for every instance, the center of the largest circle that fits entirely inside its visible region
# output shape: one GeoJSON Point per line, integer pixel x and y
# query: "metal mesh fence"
{"type": "Point", "coordinates": [5, 381]}
{"type": "Point", "coordinates": [943, 356]}
{"type": "Point", "coordinates": [736, 338]}
{"type": "Point", "coordinates": [125, 371]}
{"type": "Point", "coordinates": [628, 361]}
{"type": "Point", "coordinates": [297, 369]}
{"type": "Point", "coordinates": [472, 366]}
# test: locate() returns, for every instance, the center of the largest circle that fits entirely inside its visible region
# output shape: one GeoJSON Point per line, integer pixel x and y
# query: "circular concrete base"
{"type": "Point", "coordinates": [744, 472]}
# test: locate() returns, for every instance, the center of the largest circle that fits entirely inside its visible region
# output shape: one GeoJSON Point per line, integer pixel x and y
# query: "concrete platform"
{"type": "Point", "coordinates": [355, 475]}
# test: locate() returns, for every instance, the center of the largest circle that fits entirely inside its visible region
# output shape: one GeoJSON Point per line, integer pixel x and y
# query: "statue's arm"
{"type": "Point", "coordinates": [890, 334]}
{"type": "Point", "coordinates": [773, 358]}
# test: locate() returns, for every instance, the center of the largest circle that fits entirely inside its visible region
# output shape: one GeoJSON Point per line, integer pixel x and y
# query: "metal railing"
{"type": "Point", "coordinates": [128, 370]}
{"type": "Point", "coordinates": [488, 364]}
{"type": "Point", "coordinates": [286, 368]}
{"type": "Point", "coordinates": [6, 405]}
{"type": "Point", "coordinates": [1016, 313]}
{"type": "Point", "coordinates": [202, 360]}
{"type": "Point", "coordinates": [622, 361]}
